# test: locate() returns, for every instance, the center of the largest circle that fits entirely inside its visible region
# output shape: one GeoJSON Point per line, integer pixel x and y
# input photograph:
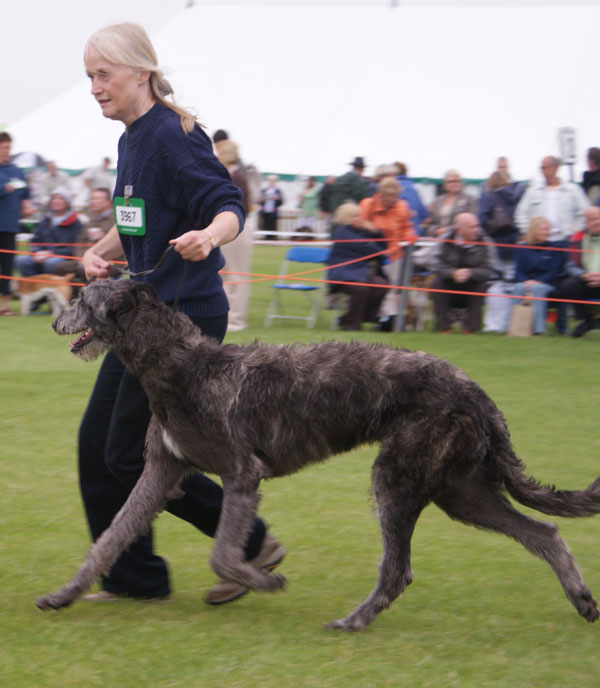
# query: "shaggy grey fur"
{"type": "Point", "coordinates": [249, 413]}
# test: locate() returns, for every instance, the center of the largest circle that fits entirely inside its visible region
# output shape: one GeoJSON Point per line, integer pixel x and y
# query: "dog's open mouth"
{"type": "Point", "coordinates": [82, 340]}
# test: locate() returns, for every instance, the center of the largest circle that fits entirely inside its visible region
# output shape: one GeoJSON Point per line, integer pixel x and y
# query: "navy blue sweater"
{"type": "Point", "coordinates": [184, 187]}
{"type": "Point", "coordinates": [537, 264]}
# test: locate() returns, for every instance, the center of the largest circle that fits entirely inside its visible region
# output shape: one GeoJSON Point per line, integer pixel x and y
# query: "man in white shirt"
{"type": "Point", "coordinates": [561, 203]}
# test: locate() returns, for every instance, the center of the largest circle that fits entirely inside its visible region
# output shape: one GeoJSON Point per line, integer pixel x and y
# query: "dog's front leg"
{"type": "Point", "coordinates": [240, 503]}
{"type": "Point", "coordinates": [160, 477]}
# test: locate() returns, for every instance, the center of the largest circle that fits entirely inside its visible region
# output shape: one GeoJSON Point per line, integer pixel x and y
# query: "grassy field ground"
{"type": "Point", "coordinates": [481, 610]}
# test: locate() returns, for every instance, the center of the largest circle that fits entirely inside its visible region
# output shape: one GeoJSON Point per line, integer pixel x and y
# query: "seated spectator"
{"type": "Point", "coordinates": [410, 194]}
{"type": "Point", "coordinates": [392, 217]}
{"type": "Point", "coordinates": [586, 284]}
{"type": "Point", "coordinates": [449, 204]}
{"type": "Point", "coordinates": [537, 271]}
{"type": "Point", "coordinates": [60, 226]}
{"type": "Point", "coordinates": [364, 301]}
{"type": "Point", "coordinates": [100, 219]}
{"type": "Point", "coordinates": [462, 266]}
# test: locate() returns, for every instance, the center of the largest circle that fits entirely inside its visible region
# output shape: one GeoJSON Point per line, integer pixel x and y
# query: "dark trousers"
{"type": "Point", "coordinates": [7, 242]}
{"type": "Point", "coordinates": [364, 303]}
{"type": "Point", "coordinates": [444, 302]}
{"type": "Point", "coordinates": [577, 289]}
{"type": "Point", "coordinates": [270, 225]}
{"type": "Point", "coordinates": [111, 445]}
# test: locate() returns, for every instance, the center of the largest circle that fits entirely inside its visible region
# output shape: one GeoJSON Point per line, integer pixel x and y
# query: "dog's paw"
{"type": "Point", "coordinates": [52, 602]}
{"type": "Point", "coordinates": [273, 582]}
{"type": "Point", "coordinates": [348, 624]}
{"type": "Point", "coordinates": [587, 606]}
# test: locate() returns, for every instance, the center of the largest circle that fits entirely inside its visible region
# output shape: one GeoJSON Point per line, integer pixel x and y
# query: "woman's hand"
{"type": "Point", "coordinates": [198, 243]}
{"type": "Point", "coordinates": [194, 245]}
{"type": "Point", "coordinates": [94, 265]}
{"type": "Point", "coordinates": [93, 260]}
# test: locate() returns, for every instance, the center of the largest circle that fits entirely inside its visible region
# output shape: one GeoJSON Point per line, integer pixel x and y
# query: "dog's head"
{"type": "Point", "coordinates": [102, 313]}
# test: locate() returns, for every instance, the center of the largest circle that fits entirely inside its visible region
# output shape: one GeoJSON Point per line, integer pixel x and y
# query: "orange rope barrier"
{"type": "Point", "coordinates": [303, 274]}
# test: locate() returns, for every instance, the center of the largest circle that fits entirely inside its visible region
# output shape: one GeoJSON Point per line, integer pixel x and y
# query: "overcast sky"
{"type": "Point", "coordinates": [42, 42]}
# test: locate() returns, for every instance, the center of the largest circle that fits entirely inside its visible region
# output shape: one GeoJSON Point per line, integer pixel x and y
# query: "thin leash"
{"type": "Point", "coordinates": [161, 260]}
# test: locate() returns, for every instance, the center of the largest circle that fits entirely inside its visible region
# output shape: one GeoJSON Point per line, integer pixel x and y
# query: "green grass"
{"type": "Point", "coordinates": [481, 611]}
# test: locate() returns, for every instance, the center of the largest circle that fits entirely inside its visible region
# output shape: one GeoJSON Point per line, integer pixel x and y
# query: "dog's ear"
{"type": "Point", "coordinates": [123, 307]}
{"type": "Point", "coordinates": [146, 293]}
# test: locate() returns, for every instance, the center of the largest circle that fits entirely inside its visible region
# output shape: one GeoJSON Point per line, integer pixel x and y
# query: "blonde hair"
{"type": "Point", "coordinates": [227, 151]}
{"type": "Point", "coordinates": [452, 174]}
{"type": "Point", "coordinates": [389, 185]}
{"type": "Point", "coordinates": [345, 213]}
{"type": "Point", "coordinates": [128, 44]}
{"type": "Point", "coordinates": [532, 229]}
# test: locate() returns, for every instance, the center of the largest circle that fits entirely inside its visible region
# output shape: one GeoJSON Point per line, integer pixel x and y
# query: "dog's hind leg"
{"type": "Point", "coordinates": [476, 502]}
{"type": "Point", "coordinates": [400, 500]}
{"type": "Point", "coordinates": [159, 479]}
{"type": "Point", "coordinates": [238, 510]}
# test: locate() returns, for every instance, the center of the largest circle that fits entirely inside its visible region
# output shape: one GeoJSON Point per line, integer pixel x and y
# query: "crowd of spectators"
{"type": "Point", "coordinates": [511, 239]}
{"type": "Point", "coordinates": [503, 218]}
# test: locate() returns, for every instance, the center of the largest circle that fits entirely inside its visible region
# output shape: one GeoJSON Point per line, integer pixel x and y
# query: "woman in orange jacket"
{"type": "Point", "coordinates": [393, 218]}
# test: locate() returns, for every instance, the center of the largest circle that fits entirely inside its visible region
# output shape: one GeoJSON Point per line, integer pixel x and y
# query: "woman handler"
{"type": "Point", "coordinates": [170, 191]}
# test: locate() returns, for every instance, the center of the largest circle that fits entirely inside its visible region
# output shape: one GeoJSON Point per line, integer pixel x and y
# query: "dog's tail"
{"type": "Point", "coordinates": [529, 492]}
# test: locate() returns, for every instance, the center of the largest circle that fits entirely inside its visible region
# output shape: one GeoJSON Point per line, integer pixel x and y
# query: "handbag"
{"type": "Point", "coordinates": [521, 320]}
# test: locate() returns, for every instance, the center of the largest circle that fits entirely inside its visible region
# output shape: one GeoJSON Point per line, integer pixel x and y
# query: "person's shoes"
{"type": "Point", "coordinates": [106, 596]}
{"type": "Point", "coordinates": [583, 327]}
{"type": "Point", "coordinates": [271, 555]}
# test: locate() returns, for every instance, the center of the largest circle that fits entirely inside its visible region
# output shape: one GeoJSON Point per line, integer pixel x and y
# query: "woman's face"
{"type": "Point", "coordinates": [452, 185]}
{"type": "Point", "coordinates": [542, 233]}
{"type": "Point", "coordinates": [388, 200]}
{"type": "Point", "coordinates": [119, 90]}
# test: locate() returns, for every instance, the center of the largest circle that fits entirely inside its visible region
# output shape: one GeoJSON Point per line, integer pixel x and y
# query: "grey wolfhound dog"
{"type": "Point", "coordinates": [253, 412]}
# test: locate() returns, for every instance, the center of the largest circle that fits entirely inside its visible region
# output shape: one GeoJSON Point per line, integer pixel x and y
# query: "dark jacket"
{"type": "Point", "coordinates": [476, 257]}
{"type": "Point", "coordinates": [590, 178]}
{"type": "Point", "coordinates": [362, 270]}
{"type": "Point", "coordinates": [184, 187]}
{"type": "Point", "coordinates": [507, 197]}
{"type": "Point", "coordinates": [49, 234]}
{"type": "Point", "coordinates": [349, 187]}
{"type": "Point", "coordinates": [10, 201]}
{"type": "Point", "coordinates": [539, 265]}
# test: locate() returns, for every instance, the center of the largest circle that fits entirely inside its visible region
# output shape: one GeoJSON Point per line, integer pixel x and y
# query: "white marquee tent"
{"type": "Point", "coordinates": [304, 90]}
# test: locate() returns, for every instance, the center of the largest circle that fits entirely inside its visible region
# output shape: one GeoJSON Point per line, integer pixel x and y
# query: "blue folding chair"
{"type": "Point", "coordinates": [294, 257]}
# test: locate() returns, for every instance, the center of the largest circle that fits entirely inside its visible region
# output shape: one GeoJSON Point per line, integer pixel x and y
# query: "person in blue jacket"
{"type": "Point", "coordinates": [13, 195]}
{"type": "Point", "coordinates": [171, 191]}
{"type": "Point", "coordinates": [410, 194]}
{"type": "Point", "coordinates": [538, 269]}
{"type": "Point", "coordinates": [350, 262]}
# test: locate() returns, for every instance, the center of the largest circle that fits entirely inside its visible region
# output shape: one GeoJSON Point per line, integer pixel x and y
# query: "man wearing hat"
{"type": "Point", "coordinates": [60, 226]}
{"type": "Point", "coordinates": [351, 186]}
